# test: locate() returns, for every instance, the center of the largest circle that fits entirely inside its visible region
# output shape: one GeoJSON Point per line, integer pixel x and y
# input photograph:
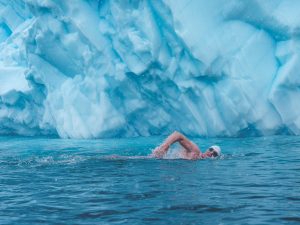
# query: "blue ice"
{"type": "Point", "coordinates": [120, 68]}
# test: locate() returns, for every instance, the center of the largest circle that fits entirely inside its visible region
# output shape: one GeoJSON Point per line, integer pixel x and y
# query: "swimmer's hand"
{"type": "Point", "coordinates": [160, 151]}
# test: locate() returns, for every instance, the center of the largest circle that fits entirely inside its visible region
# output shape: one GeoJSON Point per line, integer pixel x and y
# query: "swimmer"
{"type": "Point", "coordinates": [190, 150]}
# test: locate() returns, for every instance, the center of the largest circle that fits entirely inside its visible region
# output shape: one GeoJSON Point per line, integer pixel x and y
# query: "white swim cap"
{"type": "Point", "coordinates": [217, 149]}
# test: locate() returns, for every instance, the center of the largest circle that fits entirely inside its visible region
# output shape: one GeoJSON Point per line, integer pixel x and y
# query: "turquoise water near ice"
{"type": "Point", "coordinates": [54, 181]}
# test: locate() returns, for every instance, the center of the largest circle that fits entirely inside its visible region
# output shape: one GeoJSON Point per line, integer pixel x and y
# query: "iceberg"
{"type": "Point", "coordinates": [123, 68]}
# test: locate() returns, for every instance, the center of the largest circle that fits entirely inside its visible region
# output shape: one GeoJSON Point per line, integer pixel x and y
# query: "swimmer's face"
{"type": "Point", "coordinates": [210, 152]}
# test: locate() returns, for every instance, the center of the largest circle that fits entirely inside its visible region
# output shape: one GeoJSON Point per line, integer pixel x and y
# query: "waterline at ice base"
{"type": "Point", "coordinates": [98, 69]}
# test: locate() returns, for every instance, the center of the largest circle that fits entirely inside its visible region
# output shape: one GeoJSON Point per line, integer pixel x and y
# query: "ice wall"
{"type": "Point", "coordinates": [101, 68]}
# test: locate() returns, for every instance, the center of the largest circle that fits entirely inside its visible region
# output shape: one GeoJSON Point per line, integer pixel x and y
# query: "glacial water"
{"type": "Point", "coordinates": [55, 181]}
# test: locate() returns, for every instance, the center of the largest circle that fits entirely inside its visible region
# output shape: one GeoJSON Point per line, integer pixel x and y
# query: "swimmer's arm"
{"type": "Point", "coordinates": [191, 149]}
{"type": "Point", "coordinates": [189, 146]}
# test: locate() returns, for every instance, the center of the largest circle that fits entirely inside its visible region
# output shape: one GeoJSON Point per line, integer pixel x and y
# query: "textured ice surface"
{"type": "Point", "coordinates": [100, 68]}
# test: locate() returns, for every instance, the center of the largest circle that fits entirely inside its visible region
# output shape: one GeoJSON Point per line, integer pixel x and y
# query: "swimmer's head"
{"type": "Point", "coordinates": [215, 150]}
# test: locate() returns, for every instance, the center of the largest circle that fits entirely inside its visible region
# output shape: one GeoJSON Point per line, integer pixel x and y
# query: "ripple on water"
{"type": "Point", "coordinates": [110, 182]}
{"type": "Point", "coordinates": [291, 219]}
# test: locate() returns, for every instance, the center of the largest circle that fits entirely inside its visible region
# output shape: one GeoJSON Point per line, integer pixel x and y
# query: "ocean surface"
{"type": "Point", "coordinates": [54, 181]}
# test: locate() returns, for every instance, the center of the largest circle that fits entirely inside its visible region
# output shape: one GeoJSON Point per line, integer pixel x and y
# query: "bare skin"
{"type": "Point", "coordinates": [191, 150]}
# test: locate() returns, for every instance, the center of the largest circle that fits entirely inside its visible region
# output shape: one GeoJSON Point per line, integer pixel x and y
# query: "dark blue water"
{"type": "Point", "coordinates": [256, 181]}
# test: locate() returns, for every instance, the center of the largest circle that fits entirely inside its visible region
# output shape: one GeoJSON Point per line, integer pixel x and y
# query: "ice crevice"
{"type": "Point", "coordinates": [121, 68]}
